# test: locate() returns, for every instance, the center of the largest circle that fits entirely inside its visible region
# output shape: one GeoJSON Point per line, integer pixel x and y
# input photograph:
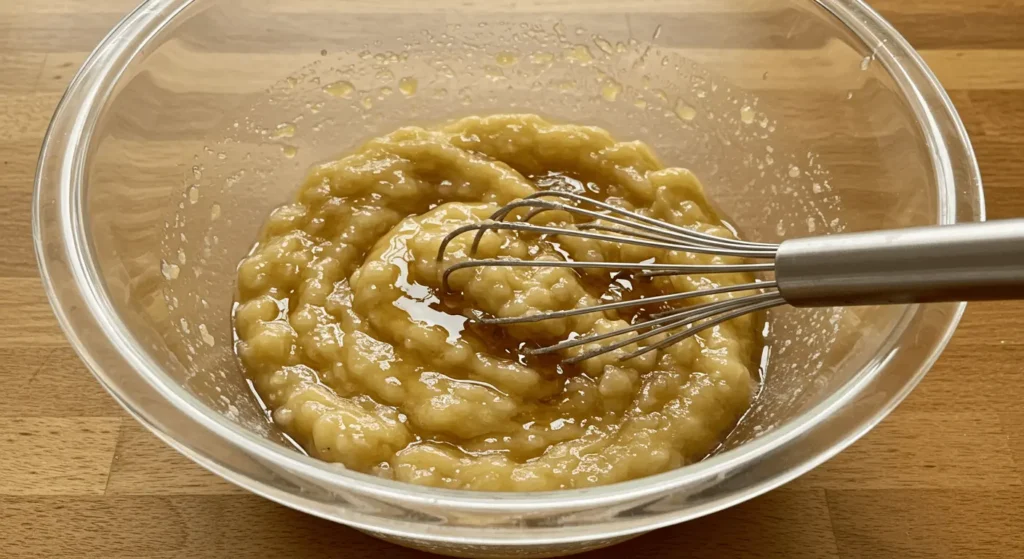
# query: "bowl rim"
{"type": "Point", "coordinates": [68, 257]}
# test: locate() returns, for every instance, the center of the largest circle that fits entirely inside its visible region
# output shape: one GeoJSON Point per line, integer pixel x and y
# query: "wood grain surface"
{"type": "Point", "coordinates": [941, 477]}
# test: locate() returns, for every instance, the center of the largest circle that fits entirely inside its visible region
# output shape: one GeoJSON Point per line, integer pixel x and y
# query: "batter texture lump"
{"type": "Point", "coordinates": [349, 340]}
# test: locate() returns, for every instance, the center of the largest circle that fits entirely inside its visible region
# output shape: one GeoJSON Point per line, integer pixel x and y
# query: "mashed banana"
{"type": "Point", "coordinates": [348, 339]}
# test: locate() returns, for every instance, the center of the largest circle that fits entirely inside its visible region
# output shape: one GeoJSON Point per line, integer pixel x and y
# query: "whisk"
{"type": "Point", "coordinates": [964, 262]}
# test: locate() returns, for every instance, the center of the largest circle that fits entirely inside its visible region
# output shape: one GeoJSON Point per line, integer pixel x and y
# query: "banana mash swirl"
{"type": "Point", "coordinates": [350, 342]}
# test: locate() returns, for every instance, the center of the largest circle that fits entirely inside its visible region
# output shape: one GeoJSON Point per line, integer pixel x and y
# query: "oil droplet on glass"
{"type": "Point", "coordinates": [494, 73]}
{"type": "Point", "coordinates": [542, 58]}
{"type": "Point", "coordinates": [408, 86]}
{"type": "Point", "coordinates": [205, 334]}
{"type": "Point", "coordinates": [385, 75]}
{"type": "Point", "coordinates": [603, 44]}
{"type": "Point", "coordinates": [289, 151]}
{"type": "Point", "coordinates": [339, 89]}
{"type": "Point", "coordinates": [214, 211]}
{"type": "Point", "coordinates": [385, 91]}
{"type": "Point", "coordinates": [181, 256]}
{"type": "Point", "coordinates": [506, 59]}
{"type": "Point", "coordinates": [169, 271]}
{"type": "Point", "coordinates": [367, 103]}
{"type": "Point", "coordinates": [611, 91]}
{"type": "Point", "coordinates": [747, 115]}
{"type": "Point", "coordinates": [580, 54]}
{"type": "Point", "coordinates": [559, 30]}
{"type": "Point", "coordinates": [684, 111]}
{"type": "Point", "coordinates": [193, 194]}
{"type": "Point", "coordinates": [566, 85]}
{"type": "Point", "coordinates": [197, 172]}
{"type": "Point", "coordinates": [284, 130]}
{"type": "Point", "coordinates": [866, 62]}
{"type": "Point", "coordinates": [794, 171]}
{"type": "Point", "coordinates": [640, 104]}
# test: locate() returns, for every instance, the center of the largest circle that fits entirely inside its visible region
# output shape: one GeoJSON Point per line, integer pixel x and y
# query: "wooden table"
{"type": "Point", "coordinates": [942, 476]}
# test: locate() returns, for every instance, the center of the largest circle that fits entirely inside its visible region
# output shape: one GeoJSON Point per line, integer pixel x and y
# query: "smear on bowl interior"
{"type": "Point", "coordinates": [343, 327]}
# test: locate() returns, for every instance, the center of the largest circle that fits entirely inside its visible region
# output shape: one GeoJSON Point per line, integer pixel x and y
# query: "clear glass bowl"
{"type": "Point", "coordinates": [193, 118]}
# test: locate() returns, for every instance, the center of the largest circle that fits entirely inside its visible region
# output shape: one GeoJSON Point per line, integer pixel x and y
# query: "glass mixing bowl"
{"type": "Point", "coordinates": [192, 119]}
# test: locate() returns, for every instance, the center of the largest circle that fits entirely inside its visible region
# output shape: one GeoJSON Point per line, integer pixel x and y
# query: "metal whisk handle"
{"type": "Point", "coordinates": [964, 262]}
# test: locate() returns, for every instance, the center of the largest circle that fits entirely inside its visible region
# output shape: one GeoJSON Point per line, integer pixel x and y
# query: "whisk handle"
{"type": "Point", "coordinates": [964, 262]}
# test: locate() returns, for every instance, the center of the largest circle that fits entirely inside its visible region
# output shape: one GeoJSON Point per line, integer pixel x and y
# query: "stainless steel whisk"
{"type": "Point", "coordinates": [964, 262]}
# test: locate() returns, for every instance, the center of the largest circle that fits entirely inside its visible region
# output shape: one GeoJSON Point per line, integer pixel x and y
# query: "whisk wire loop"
{"type": "Point", "coordinates": [612, 224]}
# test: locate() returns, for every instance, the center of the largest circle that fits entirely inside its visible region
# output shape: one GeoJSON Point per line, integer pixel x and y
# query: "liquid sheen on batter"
{"type": "Point", "coordinates": [351, 343]}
